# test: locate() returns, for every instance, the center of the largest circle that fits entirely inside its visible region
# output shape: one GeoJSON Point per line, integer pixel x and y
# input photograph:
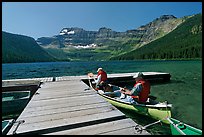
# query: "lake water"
{"type": "Point", "coordinates": [184, 90]}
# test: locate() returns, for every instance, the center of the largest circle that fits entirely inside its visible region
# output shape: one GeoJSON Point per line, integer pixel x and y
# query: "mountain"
{"type": "Point", "coordinates": [158, 28]}
{"type": "Point", "coordinates": [78, 44]}
{"type": "Point", "coordinates": [166, 37]}
{"type": "Point", "coordinates": [19, 48]}
{"type": "Point", "coordinates": [183, 42]}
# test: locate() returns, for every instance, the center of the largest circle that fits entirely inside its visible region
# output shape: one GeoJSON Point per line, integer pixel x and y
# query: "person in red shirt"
{"type": "Point", "coordinates": [101, 79]}
{"type": "Point", "coordinates": [140, 91]}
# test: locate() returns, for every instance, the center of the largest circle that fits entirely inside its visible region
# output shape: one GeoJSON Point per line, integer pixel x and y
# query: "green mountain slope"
{"type": "Point", "coordinates": [183, 42]}
{"type": "Point", "coordinates": [19, 48]}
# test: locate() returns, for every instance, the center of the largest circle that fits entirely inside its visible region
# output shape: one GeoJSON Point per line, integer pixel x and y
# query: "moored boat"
{"type": "Point", "coordinates": [6, 125]}
{"type": "Point", "coordinates": [14, 101]}
{"type": "Point", "coordinates": [180, 128]}
{"type": "Point", "coordinates": [152, 108]}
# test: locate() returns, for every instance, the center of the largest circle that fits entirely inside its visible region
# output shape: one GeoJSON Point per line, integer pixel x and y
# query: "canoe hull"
{"type": "Point", "coordinates": [155, 113]}
{"type": "Point", "coordinates": [183, 129]}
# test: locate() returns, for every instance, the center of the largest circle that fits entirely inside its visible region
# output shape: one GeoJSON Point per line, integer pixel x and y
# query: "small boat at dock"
{"type": "Point", "coordinates": [154, 109]}
{"type": "Point", "coordinates": [180, 128]}
{"type": "Point", "coordinates": [6, 125]}
{"type": "Point", "coordinates": [14, 102]}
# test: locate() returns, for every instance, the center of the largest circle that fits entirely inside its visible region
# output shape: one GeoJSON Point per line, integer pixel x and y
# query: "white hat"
{"type": "Point", "coordinates": [138, 75]}
{"type": "Point", "coordinates": [99, 69]}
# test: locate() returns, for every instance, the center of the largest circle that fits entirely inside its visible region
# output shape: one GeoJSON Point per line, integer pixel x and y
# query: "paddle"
{"type": "Point", "coordinates": [90, 76]}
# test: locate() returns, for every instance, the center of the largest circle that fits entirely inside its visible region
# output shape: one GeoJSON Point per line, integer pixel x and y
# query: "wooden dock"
{"type": "Point", "coordinates": [70, 107]}
{"type": "Point", "coordinates": [67, 106]}
{"type": "Point", "coordinates": [112, 77]}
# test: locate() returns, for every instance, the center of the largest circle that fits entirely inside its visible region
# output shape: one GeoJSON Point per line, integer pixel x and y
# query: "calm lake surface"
{"type": "Point", "coordinates": [184, 90]}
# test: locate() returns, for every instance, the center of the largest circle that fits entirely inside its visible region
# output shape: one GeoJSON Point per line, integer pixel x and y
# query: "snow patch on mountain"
{"type": "Point", "coordinates": [65, 31]}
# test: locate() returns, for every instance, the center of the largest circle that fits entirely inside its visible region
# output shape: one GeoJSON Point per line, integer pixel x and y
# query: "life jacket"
{"type": "Point", "coordinates": [143, 95]}
{"type": "Point", "coordinates": [103, 75]}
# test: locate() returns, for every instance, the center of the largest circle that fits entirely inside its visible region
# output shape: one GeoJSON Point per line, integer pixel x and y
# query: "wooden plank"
{"type": "Point", "coordinates": [70, 99]}
{"type": "Point", "coordinates": [60, 120]}
{"type": "Point", "coordinates": [66, 115]}
{"type": "Point", "coordinates": [47, 96]}
{"type": "Point", "coordinates": [64, 105]}
{"type": "Point", "coordinates": [44, 79]}
{"type": "Point", "coordinates": [65, 109]}
{"type": "Point", "coordinates": [71, 87]}
{"type": "Point", "coordinates": [118, 127]}
{"type": "Point", "coordinates": [8, 83]}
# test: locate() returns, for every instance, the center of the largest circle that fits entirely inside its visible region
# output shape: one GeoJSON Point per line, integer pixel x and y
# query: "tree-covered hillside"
{"type": "Point", "coordinates": [19, 48]}
{"type": "Point", "coordinates": [183, 42]}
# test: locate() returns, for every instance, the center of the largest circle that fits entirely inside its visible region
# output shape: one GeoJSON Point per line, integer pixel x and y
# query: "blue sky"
{"type": "Point", "coordinates": [46, 19]}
